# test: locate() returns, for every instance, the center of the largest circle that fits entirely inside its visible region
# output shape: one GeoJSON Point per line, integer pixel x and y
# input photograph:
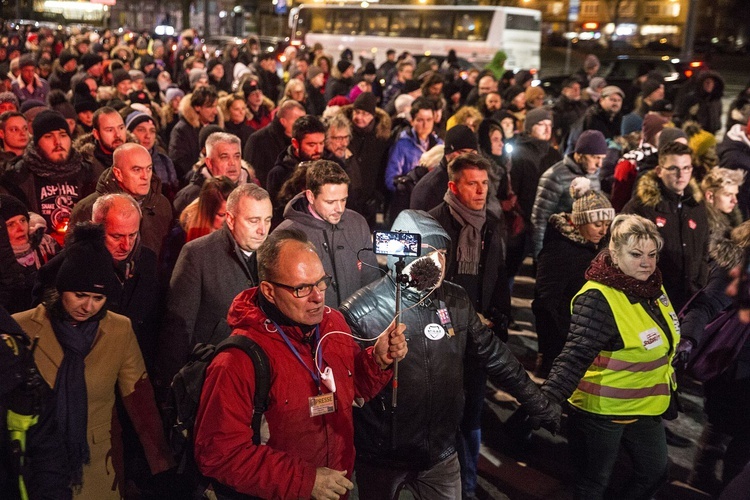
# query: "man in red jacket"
{"type": "Point", "coordinates": [317, 373]}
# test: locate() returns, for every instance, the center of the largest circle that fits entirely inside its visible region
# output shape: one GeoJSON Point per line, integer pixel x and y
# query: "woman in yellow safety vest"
{"type": "Point", "coordinates": [615, 370]}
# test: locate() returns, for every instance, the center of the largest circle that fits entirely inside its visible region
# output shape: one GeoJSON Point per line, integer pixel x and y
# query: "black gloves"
{"type": "Point", "coordinates": [682, 354]}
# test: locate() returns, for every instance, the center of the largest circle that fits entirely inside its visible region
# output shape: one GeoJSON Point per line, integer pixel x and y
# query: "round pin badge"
{"type": "Point", "coordinates": [433, 331]}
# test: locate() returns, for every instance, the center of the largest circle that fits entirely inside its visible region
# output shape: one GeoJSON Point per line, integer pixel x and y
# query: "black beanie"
{"type": "Point", "coordinates": [119, 76]}
{"type": "Point", "coordinates": [411, 86]}
{"type": "Point", "coordinates": [460, 137]}
{"type": "Point", "coordinates": [343, 65]}
{"type": "Point", "coordinates": [48, 121]}
{"type": "Point", "coordinates": [10, 206]}
{"type": "Point", "coordinates": [366, 101]}
{"type": "Point", "coordinates": [649, 87]}
{"type": "Point", "coordinates": [65, 57]}
{"type": "Point", "coordinates": [82, 99]}
{"type": "Point", "coordinates": [88, 265]}
{"type": "Point", "coordinates": [512, 92]}
{"type": "Point", "coordinates": [88, 60]}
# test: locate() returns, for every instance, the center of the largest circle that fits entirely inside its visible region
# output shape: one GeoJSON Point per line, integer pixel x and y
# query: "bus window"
{"type": "Point", "coordinates": [472, 26]}
{"type": "Point", "coordinates": [405, 24]}
{"type": "Point", "coordinates": [347, 23]}
{"type": "Point", "coordinates": [437, 25]}
{"type": "Point", "coordinates": [318, 20]}
{"type": "Point", "coordinates": [521, 22]}
{"type": "Point", "coordinates": [375, 24]}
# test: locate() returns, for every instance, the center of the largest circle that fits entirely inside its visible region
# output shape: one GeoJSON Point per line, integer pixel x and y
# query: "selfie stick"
{"type": "Point", "coordinates": [400, 265]}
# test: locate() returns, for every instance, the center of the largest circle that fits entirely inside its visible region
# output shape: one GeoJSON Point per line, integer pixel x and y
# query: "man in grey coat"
{"type": "Point", "coordinates": [337, 232]}
{"type": "Point", "coordinates": [209, 274]}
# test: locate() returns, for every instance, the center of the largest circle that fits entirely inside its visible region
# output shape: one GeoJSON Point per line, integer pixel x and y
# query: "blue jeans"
{"type": "Point", "coordinates": [595, 443]}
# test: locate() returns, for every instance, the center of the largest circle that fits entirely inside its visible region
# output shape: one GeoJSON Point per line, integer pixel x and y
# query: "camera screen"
{"type": "Point", "coordinates": [397, 244]}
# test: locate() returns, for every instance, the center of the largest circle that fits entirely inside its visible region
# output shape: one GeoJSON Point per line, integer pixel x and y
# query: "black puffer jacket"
{"type": "Point", "coordinates": [431, 395]}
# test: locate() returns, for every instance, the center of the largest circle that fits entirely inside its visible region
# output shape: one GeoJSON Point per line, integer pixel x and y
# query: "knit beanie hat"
{"type": "Point", "coordinates": [591, 142]}
{"type": "Point", "coordinates": [119, 76]}
{"type": "Point", "coordinates": [597, 83]}
{"type": "Point", "coordinates": [136, 118]}
{"type": "Point", "coordinates": [653, 123]}
{"type": "Point", "coordinates": [9, 97]}
{"type": "Point", "coordinates": [313, 71]}
{"type": "Point", "coordinates": [411, 86]}
{"type": "Point", "coordinates": [535, 116]}
{"type": "Point", "coordinates": [10, 206]}
{"type": "Point", "coordinates": [65, 57]}
{"type": "Point", "coordinates": [460, 137]}
{"type": "Point", "coordinates": [146, 60]}
{"type": "Point", "coordinates": [136, 75]}
{"type": "Point", "coordinates": [88, 60]}
{"type": "Point", "coordinates": [662, 106]}
{"type": "Point", "coordinates": [139, 97]}
{"type": "Point", "coordinates": [588, 205]}
{"type": "Point", "coordinates": [649, 87]}
{"type": "Point", "coordinates": [82, 99]}
{"type": "Point", "coordinates": [343, 65]}
{"type": "Point", "coordinates": [339, 100]}
{"type": "Point", "coordinates": [366, 101]}
{"type": "Point", "coordinates": [211, 64]}
{"type": "Point", "coordinates": [88, 265]}
{"type": "Point", "coordinates": [370, 68]}
{"type": "Point", "coordinates": [173, 92]}
{"type": "Point", "coordinates": [701, 142]}
{"type": "Point", "coordinates": [195, 75]}
{"type": "Point", "coordinates": [512, 92]}
{"type": "Point", "coordinates": [48, 121]}
{"type": "Point", "coordinates": [670, 134]}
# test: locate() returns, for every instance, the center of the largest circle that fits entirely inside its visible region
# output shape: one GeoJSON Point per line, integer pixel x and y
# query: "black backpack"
{"type": "Point", "coordinates": [185, 392]}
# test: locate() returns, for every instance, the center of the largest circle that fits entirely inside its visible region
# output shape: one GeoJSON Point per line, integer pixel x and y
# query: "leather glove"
{"type": "Point", "coordinates": [682, 355]}
{"type": "Point", "coordinates": [547, 416]}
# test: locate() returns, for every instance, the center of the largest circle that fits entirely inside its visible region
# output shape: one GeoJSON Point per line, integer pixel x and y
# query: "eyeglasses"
{"type": "Point", "coordinates": [301, 291]}
{"type": "Point", "coordinates": [339, 138]}
{"type": "Point", "coordinates": [675, 170]}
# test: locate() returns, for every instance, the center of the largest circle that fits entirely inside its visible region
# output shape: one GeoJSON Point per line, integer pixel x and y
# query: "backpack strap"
{"type": "Point", "coordinates": [262, 376]}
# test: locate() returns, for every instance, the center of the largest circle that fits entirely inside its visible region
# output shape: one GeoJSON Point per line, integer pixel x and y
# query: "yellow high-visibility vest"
{"type": "Point", "coordinates": [638, 379]}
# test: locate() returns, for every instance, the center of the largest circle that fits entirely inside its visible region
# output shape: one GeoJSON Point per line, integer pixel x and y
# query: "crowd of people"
{"type": "Point", "coordinates": [155, 197]}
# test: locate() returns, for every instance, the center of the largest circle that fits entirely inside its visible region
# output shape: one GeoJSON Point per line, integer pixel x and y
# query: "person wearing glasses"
{"type": "Point", "coordinates": [317, 371]}
{"type": "Point", "coordinates": [338, 234]}
{"type": "Point", "coordinates": [669, 197]}
{"type": "Point", "coordinates": [209, 273]}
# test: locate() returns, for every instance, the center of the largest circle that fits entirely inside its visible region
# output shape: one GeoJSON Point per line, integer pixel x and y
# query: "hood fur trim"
{"type": "Point", "coordinates": [382, 120]}
{"type": "Point", "coordinates": [191, 116]}
{"type": "Point", "coordinates": [649, 193]}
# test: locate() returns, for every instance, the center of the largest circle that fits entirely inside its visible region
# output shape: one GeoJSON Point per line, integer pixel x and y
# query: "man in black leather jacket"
{"type": "Point", "coordinates": [414, 445]}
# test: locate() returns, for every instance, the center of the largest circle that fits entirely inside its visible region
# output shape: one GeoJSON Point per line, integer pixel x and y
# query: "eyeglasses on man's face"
{"type": "Point", "coordinates": [301, 291]}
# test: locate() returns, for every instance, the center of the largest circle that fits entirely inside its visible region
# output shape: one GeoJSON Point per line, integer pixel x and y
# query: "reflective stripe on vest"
{"type": "Point", "coordinates": [637, 379]}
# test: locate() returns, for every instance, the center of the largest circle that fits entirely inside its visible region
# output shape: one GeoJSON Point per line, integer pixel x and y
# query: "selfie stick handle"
{"type": "Point", "coordinates": [400, 264]}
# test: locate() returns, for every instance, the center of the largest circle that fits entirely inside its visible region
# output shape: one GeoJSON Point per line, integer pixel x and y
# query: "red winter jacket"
{"type": "Point", "coordinates": [294, 444]}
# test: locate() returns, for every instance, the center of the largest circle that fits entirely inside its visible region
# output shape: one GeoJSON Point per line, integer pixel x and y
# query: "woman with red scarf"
{"type": "Point", "coordinates": [616, 368]}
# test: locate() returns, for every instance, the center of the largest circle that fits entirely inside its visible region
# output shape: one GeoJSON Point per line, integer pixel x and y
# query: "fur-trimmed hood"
{"type": "Point", "coordinates": [649, 193]}
{"type": "Point", "coordinates": [86, 144]}
{"type": "Point", "coordinates": [721, 248]}
{"type": "Point", "coordinates": [382, 120]}
{"type": "Point", "coordinates": [191, 116]}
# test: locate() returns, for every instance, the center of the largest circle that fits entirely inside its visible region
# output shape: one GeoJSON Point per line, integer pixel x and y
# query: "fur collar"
{"type": "Point", "coordinates": [649, 191]}
{"type": "Point", "coordinates": [191, 116]}
{"type": "Point", "coordinates": [561, 222]}
{"type": "Point", "coordinates": [382, 120]}
{"type": "Point", "coordinates": [721, 249]}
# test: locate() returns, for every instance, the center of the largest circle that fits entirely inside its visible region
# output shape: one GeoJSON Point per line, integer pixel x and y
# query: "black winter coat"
{"type": "Point", "coordinates": [264, 147]}
{"type": "Point", "coordinates": [683, 223]}
{"type": "Point", "coordinates": [531, 158]}
{"type": "Point", "coordinates": [598, 119]}
{"type": "Point", "coordinates": [428, 193]}
{"type": "Point", "coordinates": [493, 301]}
{"type": "Point", "coordinates": [431, 392]}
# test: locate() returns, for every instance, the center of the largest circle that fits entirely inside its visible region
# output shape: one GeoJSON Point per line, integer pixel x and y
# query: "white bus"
{"type": "Point", "coordinates": [475, 33]}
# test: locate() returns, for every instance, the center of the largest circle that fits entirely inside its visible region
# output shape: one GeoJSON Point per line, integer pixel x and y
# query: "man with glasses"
{"type": "Point", "coordinates": [606, 115]}
{"type": "Point", "coordinates": [317, 372]}
{"type": "Point", "coordinates": [670, 198]}
{"type": "Point", "coordinates": [209, 274]}
{"type": "Point", "coordinates": [338, 234]}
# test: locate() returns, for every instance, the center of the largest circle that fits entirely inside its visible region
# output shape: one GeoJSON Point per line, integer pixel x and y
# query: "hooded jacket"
{"type": "Point", "coordinates": [294, 444]}
{"type": "Point", "coordinates": [338, 247]}
{"type": "Point", "coordinates": [596, 118]}
{"type": "Point", "coordinates": [405, 154]}
{"type": "Point", "coordinates": [431, 392]}
{"type": "Point", "coordinates": [553, 195]}
{"type": "Point", "coordinates": [734, 152]}
{"type": "Point", "coordinates": [683, 223]}
{"type": "Point", "coordinates": [156, 209]}
{"type": "Point", "coordinates": [703, 107]}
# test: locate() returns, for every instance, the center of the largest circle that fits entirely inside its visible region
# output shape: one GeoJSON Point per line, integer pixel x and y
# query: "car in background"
{"type": "Point", "coordinates": [214, 45]}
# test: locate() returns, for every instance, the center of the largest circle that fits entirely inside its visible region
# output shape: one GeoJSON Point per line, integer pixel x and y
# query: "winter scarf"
{"type": "Point", "coordinates": [603, 271]}
{"type": "Point", "coordinates": [41, 167]}
{"type": "Point", "coordinates": [470, 238]}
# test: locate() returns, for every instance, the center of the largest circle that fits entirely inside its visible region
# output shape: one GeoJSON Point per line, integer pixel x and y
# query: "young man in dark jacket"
{"type": "Point", "coordinates": [670, 198]}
